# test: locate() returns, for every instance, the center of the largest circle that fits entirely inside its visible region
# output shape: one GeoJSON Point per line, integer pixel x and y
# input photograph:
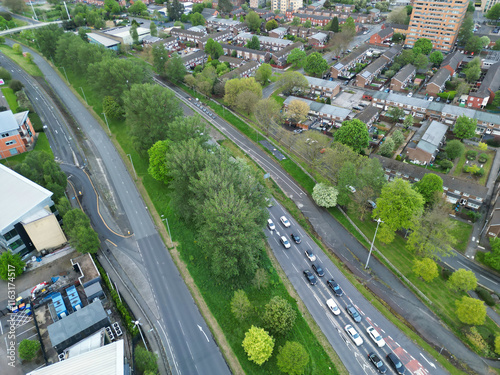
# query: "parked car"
{"type": "Point", "coordinates": [396, 364]}
{"type": "Point", "coordinates": [353, 312]}
{"type": "Point", "coordinates": [377, 362]}
{"type": "Point", "coordinates": [270, 224]}
{"type": "Point", "coordinates": [351, 188]}
{"type": "Point", "coordinates": [319, 271]}
{"type": "Point", "coordinates": [295, 238]}
{"type": "Point", "coordinates": [431, 98]}
{"type": "Point", "coordinates": [285, 221]}
{"type": "Point", "coordinates": [375, 336]}
{"type": "Point", "coordinates": [438, 99]}
{"type": "Point", "coordinates": [333, 306]}
{"type": "Point", "coordinates": [310, 255]}
{"type": "Point", "coordinates": [355, 337]}
{"type": "Point", "coordinates": [335, 287]}
{"type": "Point", "coordinates": [410, 94]}
{"type": "Point", "coordinates": [310, 277]}
{"type": "Point", "coordinates": [285, 242]}
{"type": "Point", "coordinates": [372, 203]}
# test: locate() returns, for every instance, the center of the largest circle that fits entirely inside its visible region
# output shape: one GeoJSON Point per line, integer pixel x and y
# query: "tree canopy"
{"type": "Point", "coordinates": [292, 358]}
{"type": "Point", "coordinates": [254, 43]}
{"type": "Point", "coordinates": [454, 149]}
{"type": "Point", "coordinates": [236, 86]}
{"type": "Point", "coordinates": [11, 265]}
{"type": "Point", "coordinates": [291, 80]}
{"type": "Point", "coordinates": [258, 345]}
{"type": "Point", "coordinates": [425, 268]}
{"type": "Point", "coordinates": [471, 310]}
{"type": "Point", "coordinates": [296, 57]}
{"type": "Point", "coordinates": [315, 64]}
{"type": "Point", "coordinates": [279, 316]}
{"type": "Point", "coordinates": [465, 127]}
{"type": "Point", "coordinates": [424, 44]}
{"type": "Point", "coordinates": [429, 186]}
{"type": "Point", "coordinates": [28, 349]}
{"type": "Point", "coordinates": [214, 49]}
{"type": "Point", "coordinates": [353, 133]}
{"type": "Point", "coordinates": [463, 280]}
{"type": "Point", "coordinates": [253, 21]}
{"type": "Point", "coordinates": [175, 68]}
{"type": "Point", "coordinates": [324, 195]}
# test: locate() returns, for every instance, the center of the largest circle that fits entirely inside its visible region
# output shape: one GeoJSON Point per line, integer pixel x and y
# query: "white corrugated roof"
{"type": "Point", "coordinates": [107, 360]}
{"type": "Point", "coordinates": [7, 121]}
{"type": "Point", "coordinates": [18, 196]}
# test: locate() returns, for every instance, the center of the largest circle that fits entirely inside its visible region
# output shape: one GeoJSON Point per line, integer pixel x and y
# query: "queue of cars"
{"type": "Point", "coordinates": [351, 310]}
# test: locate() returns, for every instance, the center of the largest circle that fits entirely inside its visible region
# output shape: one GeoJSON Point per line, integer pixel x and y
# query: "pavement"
{"type": "Point", "coordinates": [180, 325]}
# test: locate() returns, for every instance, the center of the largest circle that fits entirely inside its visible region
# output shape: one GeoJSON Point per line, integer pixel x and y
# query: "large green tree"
{"type": "Point", "coordinates": [197, 19]}
{"type": "Point", "coordinates": [11, 266]}
{"type": "Point", "coordinates": [112, 6]}
{"type": "Point", "coordinates": [253, 21]}
{"type": "Point", "coordinates": [454, 149]}
{"type": "Point", "coordinates": [149, 110]}
{"type": "Point", "coordinates": [271, 24]}
{"type": "Point", "coordinates": [425, 268]}
{"type": "Point", "coordinates": [137, 8]}
{"type": "Point", "coordinates": [158, 161]}
{"type": "Point", "coordinates": [85, 240]}
{"type": "Point", "coordinates": [398, 206]}
{"type": "Point", "coordinates": [465, 127]}
{"type": "Point", "coordinates": [258, 345]}
{"type": "Point", "coordinates": [225, 6]}
{"type": "Point", "coordinates": [175, 68]}
{"type": "Point", "coordinates": [292, 358]}
{"type": "Point", "coordinates": [267, 112]}
{"type": "Point", "coordinates": [424, 44]}
{"type": "Point", "coordinates": [429, 187]}
{"type": "Point", "coordinates": [160, 57]}
{"type": "Point", "coordinates": [466, 30]}
{"type": "Point", "coordinates": [240, 305]}
{"type": "Point", "coordinates": [291, 80]}
{"type": "Point", "coordinates": [296, 57]}
{"type": "Point", "coordinates": [28, 349]}
{"type": "Point", "coordinates": [254, 43]}
{"type": "Point", "coordinates": [315, 64]}
{"type": "Point", "coordinates": [145, 361]}
{"type": "Point", "coordinates": [47, 38]}
{"type": "Point", "coordinates": [279, 316]}
{"type": "Point", "coordinates": [263, 74]}
{"type": "Point", "coordinates": [214, 49]}
{"type": "Point", "coordinates": [462, 280]}
{"type": "Point", "coordinates": [494, 12]}
{"type": "Point", "coordinates": [471, 310]}
{"type": "Point", "coordinates": [353, 133]}
{"type": "Point", "coordinates": [324, 195]}
{"type": "Point", "coordinates": [493, 257]}
{"type": "Point", "coordinates": [236, 86]}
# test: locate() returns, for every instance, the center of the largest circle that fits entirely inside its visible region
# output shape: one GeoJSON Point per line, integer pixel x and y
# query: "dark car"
{"type": "Point", "coordinates": [353, 312]}
{"type": "Point", "coordinates": [295, 238]}
{"type": "Point", "coordinates": [335, 288]}
{"type": "Point", "coordinates": [310, 277]}
{"type": "Point", "coordinates": [377, 362]}
{"type": "Point", "coordinates": [396, 364]}
{"type": "Point", "coordinates": [319, 271]}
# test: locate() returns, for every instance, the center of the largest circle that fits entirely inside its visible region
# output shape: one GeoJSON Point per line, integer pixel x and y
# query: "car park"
{"type": "Point", "coordinates": [310, 255]}
{"type": "Point", "coordinates": [354, 313]}
{"type": "Point", "coordinates": [285, 221]}
{"type": "Point", "coordinates": [396, 364]}
{"type": "Point", "coordinates": [334, 308]}
{"type": "Point", "coordinates": [375, 336]}
{"type": "Point", "coordinates": [295, 238]}
{"type": "Point", "coordinates": [319, 271]}
{"type": "Point", "coordinates": [270, 224]}
{"type": "Point", "coordinates": [310, 277]}
{"type": "Point", "coordinates": [285, 242]}
{"type": "Point", "coordinates": [377, 362]}
{"type": "Point", "coordinates": [335, 287]}
{"type": "Point", "coordinates": [355, 337]}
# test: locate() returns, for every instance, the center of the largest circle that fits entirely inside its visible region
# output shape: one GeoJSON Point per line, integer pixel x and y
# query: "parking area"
{"type": "Point", "coordinates": [348, 98]}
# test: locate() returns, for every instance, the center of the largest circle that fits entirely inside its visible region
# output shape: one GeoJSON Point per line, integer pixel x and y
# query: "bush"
{"type": "Point", "coordinates": [15, 85]}
{"type": "Point", "coordinates": [483, 158]}
{"type": "Point", "coordinates": [465, 168]}
{"type": "Point", "coordinates": [474, 216]}
{"type": "Point", "coordinates": [28, 349]}
{"type": "Point", "coordinates": [446, 165]}
{"type": "Point", "coordinates": [485, 296]}
{"type": "Point", "coordinates": [446, 273]}
{"type": "Point", "coordinates": [479, 173]}
{"type": "Point", "coordinates": [145, 361]}
{"type": "Point", "coordinates": [5, 74]}
{"type": "Point", "coordinates": [493, 142]}
{"type": "Point", "coordinates": [471, 155]}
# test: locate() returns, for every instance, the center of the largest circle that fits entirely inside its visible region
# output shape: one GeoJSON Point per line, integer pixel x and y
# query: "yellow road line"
{"type": "Point", "coordinates": [76, 196]}
{"type": "Point", "coordinates": [111, 242]}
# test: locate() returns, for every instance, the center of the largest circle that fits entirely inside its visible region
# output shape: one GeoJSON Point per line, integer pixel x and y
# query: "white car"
{"type": "Point", "coordinates": [310, 255]}
{"type": "Point", "coordinates": [285, 221]}
{"type": "Point", "coordinates": [285, 242]}
{"type": "Point", "coordinates": [270, 224]}
{"type": "Point", "coordinates": [355, 337]}
{"type": "Point", "coordinates": [410, 94]}
{"type": "Point", "coordinates": [333, 306]}
{"type": "Point", "coordinates": [351, 188]}
{"type": "Point", "coordinates": [431, 98]}
{"type": "Point", "coordinates": [375, 336]}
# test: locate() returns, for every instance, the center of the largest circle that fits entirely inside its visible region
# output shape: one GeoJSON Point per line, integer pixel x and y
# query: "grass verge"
{"type": "Point", "coordinates": [42, 144]}
{"type": "Point", "coordinates": [11, 99]}
{"type": "Point", "coordinates": [20, 60]}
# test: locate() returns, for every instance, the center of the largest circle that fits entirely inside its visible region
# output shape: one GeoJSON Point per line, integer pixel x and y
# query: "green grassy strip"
{"type": "Point", "coordinates": [29, 67]}
{"type": "Point", "coordinates": [11, 99]}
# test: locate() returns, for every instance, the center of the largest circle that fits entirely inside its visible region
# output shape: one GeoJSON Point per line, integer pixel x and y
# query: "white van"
{"type": "Point", "coordinates": [333, 306]}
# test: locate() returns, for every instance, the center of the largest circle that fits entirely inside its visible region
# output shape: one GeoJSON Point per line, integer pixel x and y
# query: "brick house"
{"type": "Point", "coordinates": [368, 115]}
{"type": "Point", "coordinates": [187, 35]}
{"type": "Point", "coordinates": [366, 76]}
{"type": "Point", "coordinates": [245, 70]}
{"type": "Point", "coordinates": [323, 87]}
{"type": "Point", "coordinates": [193, 59]}
{"type": "Point", "coordinates": [428, 146]}
{"type": "Point", "coordinates": [273, 44]}
{"type": "Point", "coordinates": [342, 67]}
{"type": "Point", "coordinates": [247, 53]}
{"type": "Point", "coordinates": [318, 40]}
{"type": "Point", "coordinates": [436, 83]}
{"type": "Point", "coordinates": [382, 36]}
{"type": "Point", "coordinates": [452, 61]}
{"type": "Point", "coordinates": [17, 134]}
{"type": "Point", "coordinates": [279, 32]}
{"type": "Point", "coordinates": [220, 36]}
{"type": "Point", "coordinates": [281, 56]}
{"type": "Point", "coordinates": [486, 92]}
{"type": "Point", "coordinates": [325, 112]}
{"type": "Point", "coordinates": [403, 77]}
{"type": "Point", "coordinates": [233, 61]}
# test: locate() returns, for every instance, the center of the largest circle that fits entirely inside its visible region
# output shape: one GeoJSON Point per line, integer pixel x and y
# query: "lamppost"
{"type": "Point", "coordinates": [168, 227]}
{"type": "Point", "coordinates": [371, 247]}
{"type": "Point", "coordinates": [137, 323]}
{"type": "Point", "coordinates": [65, 73]}
{"type": "Point", "coordinates": [83, 92]}
{"type": "Point", "coordinates": [130, 157]}
{"type": "Point", "coordinates": [105, 118]}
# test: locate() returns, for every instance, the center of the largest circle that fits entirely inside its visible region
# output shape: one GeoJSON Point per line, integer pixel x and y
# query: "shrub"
{"type": "Point", "coordinates": [493, 142]}
{"type": "Point", "coordinates": [28, 349]}
{"type": "Point", "coordinates": [471, 155]}
{"type": "Point", "coordinates": [5, 74]}
{"type": "Point", "coordinates": [479, 173]}
{"type": "Point", "coordinates": [465, 168]}
{"type": "Point", "coordinates": [446, 273]}
{"type": "Point", "coordinates": [474, 216]}
{"type": "Point", "coordinates": [15, 85]}
{"type": "Point", "coordinates": [485, 296]}
{"type": "Point", "coordinates": [446, 165]}
{"type": "Point", "coordinates": [477, 341]}
{"type": "Point", "coordinates": [483, 158]}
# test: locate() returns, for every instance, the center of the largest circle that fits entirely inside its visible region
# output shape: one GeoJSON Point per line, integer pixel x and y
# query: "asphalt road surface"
{"type": "Point", "coordinates": [181, 326]}
{"type": "Point", "coordinates": [294, 262]}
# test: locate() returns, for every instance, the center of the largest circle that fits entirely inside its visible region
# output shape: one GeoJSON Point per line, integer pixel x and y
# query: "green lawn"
{"type": "Point", "coordinates": [11, 98]}
{"type": "Point", "coordinates": [29, 67]}
{"type": "Point", "coordinates": [487, 166]}
{"type": "Point", "coordinates": [42, 144]}
{"type": "Point", "coordinates": [462, 233]}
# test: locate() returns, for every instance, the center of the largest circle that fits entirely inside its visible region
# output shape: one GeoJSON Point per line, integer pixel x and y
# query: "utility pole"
{"type": "Point", "coordinates": [371, 247]}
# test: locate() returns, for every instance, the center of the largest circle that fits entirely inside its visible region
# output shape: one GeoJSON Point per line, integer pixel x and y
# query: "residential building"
{"type": "Point", "coordinates": [169, 43]}
{"type": "Point", "coordinates": [396, 27]}
{"type": "Point", "coordinates": [279, 32]}
{"type": "Point", "coordinates": [469, 194]}
{"type": "Point", "coordinates": [487, 4]}
{"type": "Point", "coordinates": [209, 12]}
{"type": "Point", "coordinates": [392, 53]}
{"type": "Point", "coordinates": [245, 70]}
{"type": "Point", "coordinates": [428, 146]}
{"type": "Point", "coordinates": [284, 5]}
{"type": "Point", "coordinates": [281, 56]}
{"type": "Point", "coordinates": [220, 36]}
{"type": "Point", "coordinates": [187, 35]}
{"type": "Point", "coordinates": [219, 24]}
{"type": "Point", "coordinates": [149, 40]}
{"type": "Point", "coordinates": [368, 115]}
{"type": "Point", "coordinates": [437, 82]}
{"type": "Point", "coordinates": [122, 34]}
{"type": "Point", "coordinates": [452, 61]}
{"type": "Point", "coordinates": [437, 20]}
{"type": "Point", "coordinates": [29, 219]}
{"type": "Point", "coordinates": [257, 3]}
{"type": "Point", "coordinates": [323, 87]}
{"type": "Point", "coordinates": [486, 92]}
{"type": "Point", "coordinates": [318, 40]}
{"type": "Point", "coordinates": [266, 42]}
{"type": "Point", "coordinates": [17, 134]}
{"type": "Point", "coordinates": [193, 59]}
{"type": "Point", "coordinates": [342, 67]}
{"type": "Point", "coordinates": [403, 77]}
{"type": "Point", "coordinates": [246, 53]}
{"type": "Point", "coordinates": [382, 36]}
{"type": "Point", "coordinates": [316, 20]}
{"type": "Point", "coordinates": [366, 76]}
{"type": "Point", "coordinates": [332, 114]}
{"type": "Point", "coordinates": [233, 61]}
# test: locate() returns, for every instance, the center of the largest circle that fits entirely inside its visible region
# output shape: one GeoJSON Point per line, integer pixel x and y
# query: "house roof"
{"type": "Point", "coordinates": [8, 121]}
{"type": "Point", "coordinates": [352, 56]}
{"type": "Point", "coordinates": [453, 60]}
{"type": "Point", "coordinates": [123, 31]}
{"type": "Point", "coordinates": [392, 52]}
{"type": "Point", "coordinates": [373, 68]}
{"type": "Point", "coordinates": [322, 82]}
{"type": "Point", "coordinates": [194, 55]}
{"type": "Point", "coordinates": [18, 196]}
{"type": "Point", "coordinates": [384, 33]}
{"type": "Point", "coordinates": [238, 48]}
{"type": "Point", "coordinates": [179, 31]}
{"type": "Point", "coordinates": [418, 172]}
{"type": "Point", "coordinates": [240, 70]}
{"type": "Point", "coordinates": [368, 113]}
{"type": "Point", "coordinates": [230, 59]}
{"type": "Point", "coordinates": [279, 30]}
{"type": "Point", "coordinates": [432, 137]}
{"type": "Point", "coordinates": [102, 40]}
{"type": "Point", "coordinates": [208, 12]}
{"type": "Point", "coordinates": [404, 73]}
{"type": "Point", "coordinates": [287, 49]}
{"type": "Point", "coordinates": [491, 81]}
{"type": "Point", "coordinates": [321, 108]}
{"type": "Point", "coordinates": [440, 77]}
{"type": "Point", "coordinates": [264, 39]}
{"type": "Point", "coordinates": [215, 35]}
{"type": "Point", "coordinates": [396, 26]}
{"type": "Point", "coordinates": [320, 37]}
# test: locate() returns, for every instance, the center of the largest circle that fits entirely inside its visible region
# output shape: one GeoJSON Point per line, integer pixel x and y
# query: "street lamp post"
{"type": "Point", "coordinates": [83, 92]}
{"type": "Point", "coordinates": [371, 247]}
{"type": "Point", "coordinates": [130, 157]}
{"type": "Point", "coordinates": [105, 118]}
{"type": "Point", "coordinates": [138, 324]}
{"type": "Point", "coordinates": [65, 73]}
{"type": "Point", "coordinates": [168, 227]}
